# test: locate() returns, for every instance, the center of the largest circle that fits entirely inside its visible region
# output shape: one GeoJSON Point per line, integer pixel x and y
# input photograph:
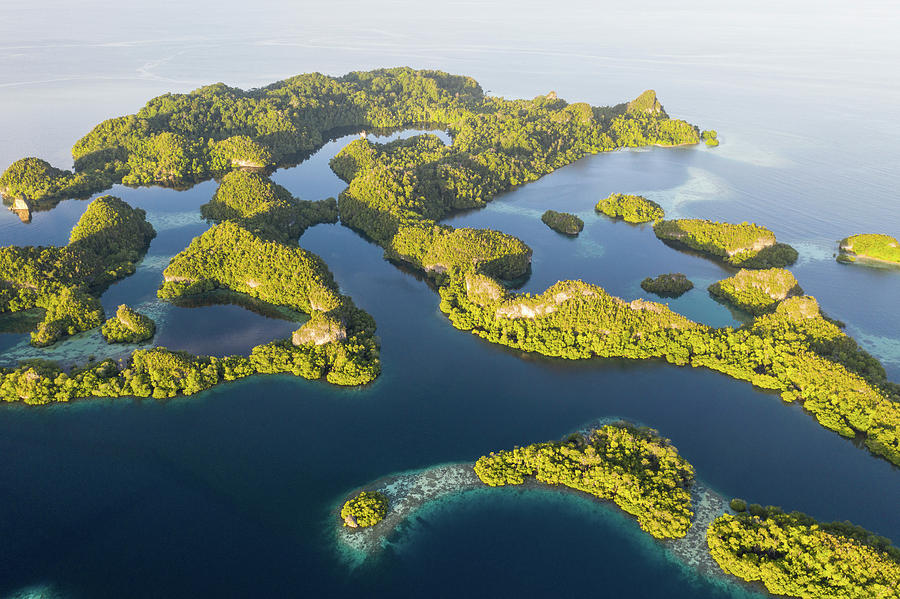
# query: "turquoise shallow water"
{"type": "Point", "coordinates": [229, 493]}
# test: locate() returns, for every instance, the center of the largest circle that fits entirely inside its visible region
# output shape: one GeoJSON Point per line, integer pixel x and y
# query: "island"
{"type": "Point", "coordinates": [809, 359]}
{"type": "Point", "coordinates": [673, 284]}
{"type": "Point", "coordinates": [746, 245]}
{"type": "Point", "coordinates": [128, 326]}
{"type": "Point", "coordinates": [563, 222]}
{"type": "Point", "coordinates": [396, 195]}
{"type": "Point", "coordinates": [630, 208]}
{"type": "Point", "coordinates": [710, 137]}
{"type": "Point", "coordinates": [870, 248]}
{"type": "Point", "coordinates": [796, 556]}
{"type": "Point", "coordinates": [757, 291]}
{"type": "Point", "coordinates": [65, 282]}
{"type": "Point", "coordinates": [367, 508]}
{"type": "Point", "coordinates": [633, 467]}
{"type": "Point", "coordinates": [643, 474]}
{"type": "Point", "coordinates": [265, 208]}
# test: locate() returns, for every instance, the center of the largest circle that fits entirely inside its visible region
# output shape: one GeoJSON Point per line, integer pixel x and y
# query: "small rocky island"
{"type": "Point", "coordinates": [870, 248]}
{"type": "Point", "coordinates": [563, 222]}
{"type": "Point", "coordinates": [128, 326]}
{"type": "Point", "coordinates": [757, 291]}
{"type": "Point", "coordinates": [630, 208]}
{"type": "Point", "coordinates": [746, 245]}
{"type": "Point", "coordinates": [673, 284]}
{"type": "Point", "coordinates": [367, 508]}
{"type": "Point", "coordinates": [710, 138]}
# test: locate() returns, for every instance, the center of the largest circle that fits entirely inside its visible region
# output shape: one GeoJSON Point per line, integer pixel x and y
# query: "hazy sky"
{"type": "Point", "coordinates": [65, 65]}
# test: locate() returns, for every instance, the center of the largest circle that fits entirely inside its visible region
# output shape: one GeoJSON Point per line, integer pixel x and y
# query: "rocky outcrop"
{"type": "Point", "coordinates": [647, 103]}
{"type": "Point", "coordinates": [319, 330]}
{"type": "Point", "coordinates": [546, 303]}
{"type": "Point", "coordinates": [799, 308]}
{"type": "Point", "coordinates": [483, 290]}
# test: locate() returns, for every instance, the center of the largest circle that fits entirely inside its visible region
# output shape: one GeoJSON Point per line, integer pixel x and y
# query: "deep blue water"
{"type": "Point", "coordinates": [229, 493]}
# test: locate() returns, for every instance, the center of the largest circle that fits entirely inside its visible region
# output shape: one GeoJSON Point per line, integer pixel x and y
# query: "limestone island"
{"type": "Point", "coordinates": [128, 326]}
{"type": "Point", "coordinates": [627, 465]}
{"type": "Point", "coordinates": [630, 208]}
{"type": "Point", "coordinates": [396, 194]}
{"type": "Point", "coordinates": [871, 249]}
{"type": "Point", "coordinates": [563, 222]}
{"type": "Point", "coordinates": [710, 137]}
{"type": "Point", "coordinates": [66, 282]}
{"type": "Point", "coordinates": [642, 474]}
{"type": "Point", "coordinates": [757, 291]}
{"type": "Point", "coordinates": [746, 245]}
{"type": "Point", "coordinates": [673, 284]}
{"type": "Point", "coordinates": [367, 508]}
{"type": "Point", "coordinates": [808, 358]}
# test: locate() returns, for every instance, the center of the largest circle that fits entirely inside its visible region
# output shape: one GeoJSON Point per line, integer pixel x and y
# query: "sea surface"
{"type": "Point", "coordinates": [230, 493]}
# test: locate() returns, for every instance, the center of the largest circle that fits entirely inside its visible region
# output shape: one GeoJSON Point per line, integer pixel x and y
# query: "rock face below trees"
{"type": "Point", "coordinates": [870, 247]}
{"type": "Point", "coordinates": [745, 245]}
{"type": "Point", "coordinates": [319, 330]}
{"type": "Point", "coordinates": [757, 291]}
{"type": "Point", "coordinates": [647, 103]}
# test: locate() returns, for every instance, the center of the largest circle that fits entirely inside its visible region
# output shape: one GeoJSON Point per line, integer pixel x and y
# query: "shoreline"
{"type": "Point", "coordinates": [410, 491]}
{"type": "Point", "coordinates": [850, 257]}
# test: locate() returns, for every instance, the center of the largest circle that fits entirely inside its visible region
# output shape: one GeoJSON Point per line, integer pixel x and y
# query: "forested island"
{"type": "Point", "coordinates": [563, 222]}
{"type": "Point", "coordinates": [65, 282]}
{"type": "Point", "coordinates": [128, 326]}
{"type": "Point", "coordinates": [638, 470]}
{"type": "Point", "coordinates": [793, 350]}
{"type": "Point", "coordinates": [633, 467]}
{"type": "Point", "coordinates": [396, 194]}
{"type": "Point", "coordinates": [869, 247]}
{"type": "Point", "coordinates": [746, 245]}
{"type": "Point", "coordinates": [367, 508]}
{"type": "Point", "coordinates": [674, 284]}
{"type": "Point", "coordinates": [794, 555]}
{"type": "Point", "coordinates": [757, 291]}
{"type": "Point", "coordinates": [630, 208]}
